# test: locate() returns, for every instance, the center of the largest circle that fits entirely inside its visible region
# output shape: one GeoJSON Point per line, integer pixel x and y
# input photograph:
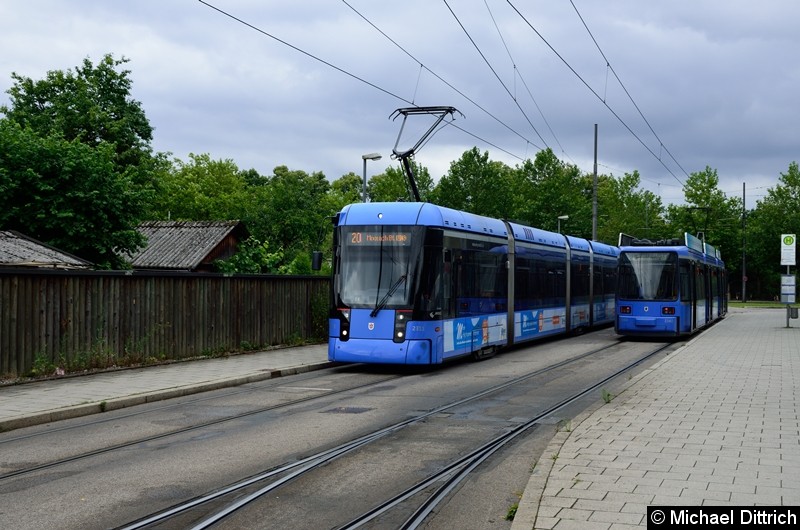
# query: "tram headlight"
{"type": "Point", "coordinates": [625, 310]}
{"type": "Point", "coordinates": [401, 318]}
{"type": "Point", "coordinates": [344, 323]}
{"type": "Point", "coordinates": [667, 310]}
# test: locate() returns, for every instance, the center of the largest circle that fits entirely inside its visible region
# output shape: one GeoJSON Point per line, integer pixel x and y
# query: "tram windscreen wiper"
{"type": "Point", "coordinates": [380, 305]}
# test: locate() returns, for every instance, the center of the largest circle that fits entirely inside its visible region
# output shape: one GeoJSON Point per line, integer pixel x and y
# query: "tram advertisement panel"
{"type": "Point", "coordinates": [473, 333]}
{"type": "Point", "coordinates": [529, 324]}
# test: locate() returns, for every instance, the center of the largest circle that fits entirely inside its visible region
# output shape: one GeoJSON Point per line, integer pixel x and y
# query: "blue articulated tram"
{"type": "Point", "coordinates": [415, 283]}
{"type": "Point", "coordinates": [669, 288]}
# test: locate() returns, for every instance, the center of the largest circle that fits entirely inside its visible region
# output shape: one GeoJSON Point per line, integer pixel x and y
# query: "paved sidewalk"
{"type": "Point", "coordinates": [715, 423]}
{"type": "Point", "coordinates": [46, 401]}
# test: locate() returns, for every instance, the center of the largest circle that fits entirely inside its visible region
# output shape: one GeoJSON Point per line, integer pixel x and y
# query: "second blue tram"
{"type": "Point", "coordinates": [668, 288]}
{"type": "Point", "coordinates": [415, 283]}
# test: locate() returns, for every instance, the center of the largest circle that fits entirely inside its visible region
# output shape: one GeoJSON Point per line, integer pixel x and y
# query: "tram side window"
{"type": "Point", "coordinates": [540, 280]}
{"type": "Point", "coordinates": [685, 276]}
{"type": "Point", "coordinates": [434, 289]}
{"type": "Point", "coordinates": [610, 279]}
{"type": "Point", "coordinates": [579, 282]}
{"type": "Point", "coordinates": [628, 287]}
{"type": "Point", "coordinates": [599, 281]}
{"type": "Point", "coordinates": [700, 283]}
{"type": "Point", "coordinates": [482, 282]}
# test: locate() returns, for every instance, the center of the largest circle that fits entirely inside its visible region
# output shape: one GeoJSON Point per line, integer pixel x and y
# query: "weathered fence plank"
{"type": "Point", "coordinates": [50, 317]}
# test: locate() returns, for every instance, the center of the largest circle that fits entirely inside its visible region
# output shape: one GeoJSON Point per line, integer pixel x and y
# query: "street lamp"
{"type": "Point", "coordinates": [371, 156]}
{"type": "Point", "coordinates": [561, 218]}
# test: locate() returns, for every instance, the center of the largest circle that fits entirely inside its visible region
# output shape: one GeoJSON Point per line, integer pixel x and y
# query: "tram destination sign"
{"type": "Point", "coordinates": [376, 238]}
{"type": "Point", "coordinates": [788, 249]}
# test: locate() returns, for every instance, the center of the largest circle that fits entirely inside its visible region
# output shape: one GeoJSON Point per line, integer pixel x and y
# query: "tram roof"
{"type": "Point", "coordinates": [419, 213]}
{"type": "Point", "coordinates": [416, 213]}
{"type": "Point", "coordinates": [688, 246]}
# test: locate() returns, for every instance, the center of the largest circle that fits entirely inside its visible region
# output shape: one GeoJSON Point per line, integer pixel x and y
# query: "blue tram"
{"type": "Point", "coordinates": [668, 288]}
{"type": "Point", "coordinates": [415, 283]}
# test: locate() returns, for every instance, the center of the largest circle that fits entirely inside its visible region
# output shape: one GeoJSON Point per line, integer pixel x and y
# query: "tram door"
{"type": "Point", "coordinates": [687, 312]}
{"type": "Point", "coordinates": [701, 291]}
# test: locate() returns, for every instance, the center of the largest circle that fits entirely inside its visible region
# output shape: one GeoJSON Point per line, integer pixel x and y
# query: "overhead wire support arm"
{"type": "Point", "coordinates": [404, 156]}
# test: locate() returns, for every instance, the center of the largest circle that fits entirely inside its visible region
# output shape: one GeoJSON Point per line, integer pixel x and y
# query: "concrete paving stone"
{"type": "Point", "coordinates": [733, 487]}
{"type": "Point", "coordinates": [629, 473]}
{"type": "Point", "coordinates": [670, 500]}
{"type": "Point", "coordinates": [554, 488]}
{"type": "Point", "coordinates": [710, 477]}
{"type": "Point", "coordinates": [566, 524]}
{"type": "Point", "coordinates": [635, 508]}
{"type": "Point", "coordinates": [617, 517]}
{"type": "Point", "coordinates": [746, 467]}
{"type": "Point", "coordinates": [639, 498]}
{"type": "Point", "coordinates": [574, 514]}
{"type": "Point", "coordinates": [602, 505]}
{"type": "Point", "coordinates": [790, 497]}
{"type": "Point", "coordinates": [667, 475]}
{"type": "Point", "coordinates": [572, 493]}
{"type": "Point", "coordinates": [701, 491]}
{"type": "Point", "coordinates": [571, 470]}
{"type": "Point", "coordinates": [548, 511]}
{"type": "Point", "coordinates": [605, 478]}
{"type": "Point", "coordinates": [627, 486]}
{"type": "Point", "coordinates": [557, 502]}
{"type": "Point", "coordinates": [661, 489]}
{"type": "Point", "coordinates": [680, 450]}
{"type": "Point", "coordinates": [772, 462]}
{"type": "Point", "coordinates": [757, 499]}
{"type": "Point", "coordinates": [546, 523]}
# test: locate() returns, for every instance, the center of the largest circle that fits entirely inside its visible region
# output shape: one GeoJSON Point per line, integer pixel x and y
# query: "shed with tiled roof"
{"type": "Point", "coordinates": [191, 246]}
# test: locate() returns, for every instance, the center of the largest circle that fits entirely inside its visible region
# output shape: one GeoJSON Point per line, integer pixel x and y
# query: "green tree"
{"type": "Point", "coordinates": [624, 208]}
{"type": "Point", "coordinates": [202, 189]}
{"type": "Point", "coordinates": [295, 218]}
{"type": "Point", "coordinates": [86, 117]}
{"type": "Point", "coordinates": [69, 195]}
{"type": "Point", "coordinates": [91, 104]}
{"type": "Point", "coordinates": [392, 185]}
{"type": "Point", "coordinates": [478, 185]}
{"type": "Point", "coordinates": [345, 190]}
{"type": "Point", "coordinates": [709, 213]}
{"type": "Point", "coordinates": [546, 188]}
{"type": "Point", "coordinates": [777, 213]}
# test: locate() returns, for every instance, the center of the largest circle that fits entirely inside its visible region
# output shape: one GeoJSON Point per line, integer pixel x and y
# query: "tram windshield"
{"type": "Point", "coordinates": [648, 276]}
{"type": "Point", "coordinates": [377, 266]}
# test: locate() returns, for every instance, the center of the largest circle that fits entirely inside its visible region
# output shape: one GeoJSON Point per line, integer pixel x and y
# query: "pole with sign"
{"type": "Point", "coordinates": [788, 286]}
{"type": "Point", "coordinates": [788, 249]}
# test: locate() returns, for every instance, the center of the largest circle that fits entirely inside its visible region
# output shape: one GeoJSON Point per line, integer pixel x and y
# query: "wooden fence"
{"type": "Point", "coordinates": [88, 319]}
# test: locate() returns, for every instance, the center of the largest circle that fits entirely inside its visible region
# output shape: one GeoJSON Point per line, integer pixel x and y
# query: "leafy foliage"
{"type": "Point", "coordinates": [69, 195]}
{"type": "Point", "coordinates": [202, 190]}
{"type": "Point", "coordinates": [76, 164]}
{"type": "Point", "coordinates": [393, 185]}
{"type": "Point", "coordinates": [477, 185]}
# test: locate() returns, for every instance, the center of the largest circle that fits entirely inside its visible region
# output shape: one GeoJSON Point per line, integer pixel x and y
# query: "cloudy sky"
{"type": "Point", "coordinates": [311, 84]}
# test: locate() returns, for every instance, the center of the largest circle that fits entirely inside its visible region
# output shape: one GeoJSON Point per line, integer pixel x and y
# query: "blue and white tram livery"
{"type": "Point", "coordinates": [669, 288]}
{"type": "Point", "coordinates": [416, 283]}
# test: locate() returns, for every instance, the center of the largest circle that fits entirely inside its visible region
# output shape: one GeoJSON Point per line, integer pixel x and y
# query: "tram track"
{"type": "Point", "coordinates": [174, 432]}
{"type": "Point", "coordinates": [221, 504]}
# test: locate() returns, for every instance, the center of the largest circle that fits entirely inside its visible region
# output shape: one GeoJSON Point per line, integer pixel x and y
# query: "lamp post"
{"type": "Point", "coordinates": [370, 156]}
{"type": "Point", "coordinates": [561, 218]}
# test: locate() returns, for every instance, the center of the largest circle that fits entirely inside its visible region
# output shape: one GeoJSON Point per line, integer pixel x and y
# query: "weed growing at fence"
{"type": "Point", "coordinates": [42, 365]}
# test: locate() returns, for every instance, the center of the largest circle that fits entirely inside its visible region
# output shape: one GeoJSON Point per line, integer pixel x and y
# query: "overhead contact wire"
{"type": "Point", "coordinates": [593, 91]}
